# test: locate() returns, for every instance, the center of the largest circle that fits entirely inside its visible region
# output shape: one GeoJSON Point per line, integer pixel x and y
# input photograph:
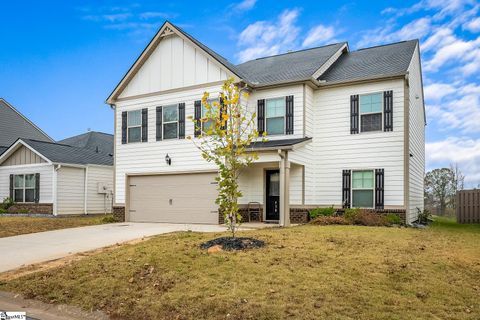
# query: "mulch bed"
{"type": "Point", "coordinates": [230, 244]}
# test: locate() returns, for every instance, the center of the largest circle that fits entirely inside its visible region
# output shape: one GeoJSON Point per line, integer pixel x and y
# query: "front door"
{"type": "Point", "coordinates": [273, 195]}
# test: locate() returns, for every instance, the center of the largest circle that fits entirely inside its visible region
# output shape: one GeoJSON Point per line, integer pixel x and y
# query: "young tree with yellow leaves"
{"type": "Point", "coordinates": [227, 130]}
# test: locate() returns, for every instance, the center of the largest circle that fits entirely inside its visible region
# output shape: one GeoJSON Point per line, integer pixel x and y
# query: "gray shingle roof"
{"type": "Point", "coordinates": [61, 153]}
{"type": "Point", "coordinates": [2, 150]}
{"type": "Point", "coordinates": [14, 125]}
{"type": "Point", "coordinates": [288, 67]}
{"type": "Point", "coordinates": [91, 140]}
{"type": "Point", "coordinates": [382, 61]}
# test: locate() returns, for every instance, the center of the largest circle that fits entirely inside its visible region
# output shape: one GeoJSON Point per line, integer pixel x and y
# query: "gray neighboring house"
{"type": "Point", "coordinates": [98, 141]}
{"type": "Point", "coordinates": [14, 125]}
{"type": "Point", "coordinates": [54, 178]}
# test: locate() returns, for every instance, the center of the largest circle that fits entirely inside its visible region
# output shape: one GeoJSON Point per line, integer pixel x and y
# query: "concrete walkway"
{"type": "Point", "coordinates": [22, 250]}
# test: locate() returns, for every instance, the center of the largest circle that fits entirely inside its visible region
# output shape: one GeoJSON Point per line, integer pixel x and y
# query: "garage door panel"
{"type": "Point", "coordinates": [181, 198]}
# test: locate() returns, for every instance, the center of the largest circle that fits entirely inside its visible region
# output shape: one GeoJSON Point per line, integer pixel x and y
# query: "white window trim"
{"type": "Point", "coordinates": [24, 187]}
{"type": "Point", "coordinates": [284, 117]}
{"type": "Point", "coordinates": [167, 122]}
{"type": "Point", "coordinates": [139, 126]}
{"type": "Point", "coordinates": [367, 113]}
{"type": "Point", "coordinates": [352, 188]}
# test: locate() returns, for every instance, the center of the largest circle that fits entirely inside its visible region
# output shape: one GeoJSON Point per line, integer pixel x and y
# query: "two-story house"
{"type": "Point", "coordinates": [344, 128]}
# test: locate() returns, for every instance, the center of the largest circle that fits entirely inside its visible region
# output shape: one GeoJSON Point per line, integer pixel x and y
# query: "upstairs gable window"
{"type": "Point", "coordinates": [134, 126]}
{"type": "Point", "coordinates": [371, 107]}
{"type": "Point", "coordinates": [170, 121]}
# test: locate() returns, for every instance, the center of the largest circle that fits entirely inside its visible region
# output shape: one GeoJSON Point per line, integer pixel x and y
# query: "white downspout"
{"type": "Point", "coordinates": [85, 193]}
{"type": "Point", "coordinates": [55, 188]}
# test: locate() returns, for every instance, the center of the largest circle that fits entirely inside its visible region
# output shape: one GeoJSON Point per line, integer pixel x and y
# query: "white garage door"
{"type": "Point", "coordinates": [175, 198]}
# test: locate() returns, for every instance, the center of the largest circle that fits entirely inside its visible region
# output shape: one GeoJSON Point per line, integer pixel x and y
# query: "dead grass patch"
{"type": "Point", "coordinates": [306, 272]}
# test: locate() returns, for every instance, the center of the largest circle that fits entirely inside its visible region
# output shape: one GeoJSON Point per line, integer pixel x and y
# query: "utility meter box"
{"type": "Point", "coordinates": [102, 187]}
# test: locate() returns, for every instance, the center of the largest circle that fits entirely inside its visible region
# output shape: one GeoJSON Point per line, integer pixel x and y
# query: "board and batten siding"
{"type": "Point", "coordinates": [70, 190]}
{"type": "Point", "coordinates": [46, 179]}
{"type": "Point", "coordinates": [416, 138]}
{"type": "Point", "coordinates": [23, 155]}
{"type": "Point", "coordinates": [175, 63]}
{"type": "Point", "coordinates": [98, 202]}
{"type": "Point", "coordinates": [335, 149]}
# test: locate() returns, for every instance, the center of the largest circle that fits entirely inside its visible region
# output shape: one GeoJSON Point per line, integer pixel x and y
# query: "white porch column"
{"type": "Point", "coordinates": [284, 189]}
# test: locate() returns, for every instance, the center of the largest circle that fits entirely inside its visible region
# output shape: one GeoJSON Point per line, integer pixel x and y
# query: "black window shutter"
{"type": "Point", "coordinates": [159, 123]}
{"type": "Point", "coordinates": [379, 184]}
{"type": "Point", "coordinates": [261, 116]}
{"type": "Point", "coordinates": [289, 115]}
{"type": "Point", "coordinates": [388, 110]}
{"type": "Point", "coordinates": [198, 116]}
{"type": "Point", "coordinates": [354, 114]}
{"type": "Point", "coordinates": [222, 112]}
{"type": "Point", "coordinates": [346, 188]}
{"type": "Point", "coordinates": [37, 187]}
{"type": "Point", "coordinates": [144, 125]}
{"type": "Point", "coordinates": [124, 127]}
{"type": "Point", "coordinates": [11, 186]}
{"type": "Point", "coordinates": [181, 121]}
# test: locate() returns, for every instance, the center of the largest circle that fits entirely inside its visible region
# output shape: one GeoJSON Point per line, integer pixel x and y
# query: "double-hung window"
{"type": "Point", "coordinates": [214, 103]}
{"type": "Point", "coordinates": [134, 126]}
{"type": "Point", "coordinates": [24, 188]}
{"type": "Point", "coordinates": [170, 121]}
{"type": "Point", "coordinates": [371, 112]}
{"type": "Point", "coordinates": [275, 116]}
{"type": "Point", "coordinates": [363, 189]}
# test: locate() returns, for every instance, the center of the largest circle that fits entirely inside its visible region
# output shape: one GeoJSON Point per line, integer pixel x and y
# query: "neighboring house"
{"type": "Point", "coordinates": [345, 128]}
{"type": "Point", "coordinates": [98, 141]}
{"type": "Point", "coordinates": [14, 125]}
{"type": "Point", "coordinates": [55, 178]}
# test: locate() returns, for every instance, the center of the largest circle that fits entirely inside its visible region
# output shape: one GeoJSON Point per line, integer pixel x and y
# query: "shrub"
{"type": "Point", "coordinates": [424, 216]}
{"type": "Point", "coordinates": [325, 212]}
{"type": "Point", "coordinates": [109, 219]}
{"type": "Point", "coordinates": [2, 210]}
{"type": "Point", "coordinates": [365, 218]}
{"type": "Point", "coordinates": [392, 218]}
{"type": "Point", "coordinates": [7, 203]}
{"type": "Point", "coordinates": [329, 220]}
{"type": "Point", "coordinates": [351, 213]}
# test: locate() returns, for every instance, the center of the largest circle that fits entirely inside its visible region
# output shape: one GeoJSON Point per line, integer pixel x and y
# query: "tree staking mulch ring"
{"type": "Point", "coordinates": [230, 244]}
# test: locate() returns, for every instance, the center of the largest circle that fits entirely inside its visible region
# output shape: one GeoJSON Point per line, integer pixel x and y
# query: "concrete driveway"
{"type": "Point", "coordinates": [26, 249]}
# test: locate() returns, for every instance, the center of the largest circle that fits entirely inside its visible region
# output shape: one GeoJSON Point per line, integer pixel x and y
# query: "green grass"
{"type": "Point", "coordinates": [12, 226]}
{"type": "Point", "coordinates": [306, 272]}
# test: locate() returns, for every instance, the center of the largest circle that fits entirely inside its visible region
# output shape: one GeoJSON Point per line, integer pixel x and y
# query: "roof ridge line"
{"type": "Point", "coordinates": [386, 44]}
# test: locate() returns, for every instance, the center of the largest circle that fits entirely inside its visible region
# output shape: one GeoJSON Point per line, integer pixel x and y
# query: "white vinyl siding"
{"type": "Point", "coordinates": [416, 139]}
{"type": "Point", "coordinates": [98, 202]}
{"type": "Point", "coordinates": [70, 190]}
{"type": "Point", "coordinates": [46, 182]}
{"type": "Point", "coordinates": [174, 63]}
{"type": "Point", "coordinates": [335, 149]}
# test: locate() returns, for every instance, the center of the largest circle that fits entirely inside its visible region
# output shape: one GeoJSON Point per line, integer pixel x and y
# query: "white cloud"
{"type": "Point", "coordinates": [269, 37]}
{"type": "Point", "coordinates": [456, 50]}
{"type": "Point", "coordinates": [153, 14]}
{"type": "Point", "coordinates": [473, 25]}
{"type": "Point", "coordinates": [319, 35]}
{"type": "Point", "coordinates": [462, 150]}
{"type": "Point", "coordinates": [245, 5]}
{"type": "Point", "coordinates": [436, 91]}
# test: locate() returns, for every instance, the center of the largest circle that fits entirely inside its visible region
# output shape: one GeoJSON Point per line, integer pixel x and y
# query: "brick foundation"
{"type": "Point", "coordinates": [119, 213]}
{"type": "Point", "coordinates": [299, 215]}
{"type": "Point", "coordinates": [33, 208]}
{"type": "Point", "coordinates": [244, 213]}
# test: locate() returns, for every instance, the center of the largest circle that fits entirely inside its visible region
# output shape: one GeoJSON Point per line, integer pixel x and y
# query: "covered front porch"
{"type": "Point", "coordinates": [273, 183]}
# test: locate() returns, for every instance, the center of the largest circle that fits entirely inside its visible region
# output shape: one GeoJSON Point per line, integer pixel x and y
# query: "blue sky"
{"type": "Point", "coordinates": [61, 59]}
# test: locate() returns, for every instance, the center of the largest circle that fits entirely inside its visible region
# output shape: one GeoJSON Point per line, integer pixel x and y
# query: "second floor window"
{"type": "Point", "coordinates": [275, 116]}
{"type": "Point", "coordinates": [134, 126]}
{"type": "Point", "coordinates": [170, 121]}
{"type": "Point", "coordinates": [208, 124]}
{"type": "Point", "coordinates": [371, 112]}
{"type": "Point", "coordinates": [24, 188]}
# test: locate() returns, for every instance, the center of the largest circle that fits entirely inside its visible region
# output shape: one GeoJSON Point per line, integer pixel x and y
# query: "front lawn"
{"type": "Point", "coordinates": [13, 226]}
{"type": "Point", "coordinates": [306, 272]}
